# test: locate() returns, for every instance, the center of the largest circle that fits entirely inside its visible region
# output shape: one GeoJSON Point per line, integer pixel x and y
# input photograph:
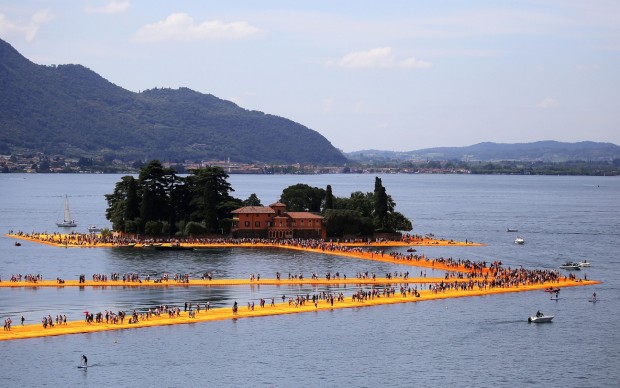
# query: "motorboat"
{"type": "Point", "coordinates": [94, 229]}
{"type": "Point", "coordinates": [411, 250]}
{"type": "Point", "coordinates": [67, 221]}
{"type": "Point", "coordinates": [511, 230]}
{"type": "Point", "coordinates": [519, 240]}
{"type": "Point", "coordinates": [584, 263]}
{"type": "Point", "coordinates": [540, 318]}
{"type": "Point", "coordinates": [571, 266]}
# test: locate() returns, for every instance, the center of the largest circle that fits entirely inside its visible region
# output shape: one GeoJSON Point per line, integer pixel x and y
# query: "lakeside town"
{"type": "Point", "coordinates": [42, 163]}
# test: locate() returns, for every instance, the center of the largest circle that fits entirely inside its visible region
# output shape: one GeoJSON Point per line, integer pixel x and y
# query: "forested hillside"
{"type": "Point", "coordinates": [72, 111]}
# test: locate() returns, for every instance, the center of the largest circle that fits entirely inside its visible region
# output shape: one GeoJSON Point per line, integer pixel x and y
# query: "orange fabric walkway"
{"type": "Point", "coordinates": [77, 327]}
{"type": "Point", "coordinates": [227, 282]}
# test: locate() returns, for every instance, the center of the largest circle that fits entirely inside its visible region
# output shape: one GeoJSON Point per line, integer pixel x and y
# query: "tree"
{"type": "Point", "coordinates": [117, 204]}
{"type": "Point", "coordinates": [303, 198]}
{"type": "Point", "coordinates": [132, 207]}
{"type": "Point", "coordinates": [378, 209]}
{"type": "Point", "coordinates": [380, 205]}
{"type": "Point", "coordinates": [210, 189]}
{"type": "Point", "coordinates": [160, 201]}
{"type": "Point", "coordinates": [364, 203]}
{"type": "Point", "coordinates": [157, 185]}
{"type": "Point", "coordinates": [340, 222]}
{"type": "Point", "coordinates": [329, 198]}
{"type": "Point", "coordinates": [252, 201]}
{"type": "Point", "coordinates": [398, 222]}
{"type": "Point", "coordinates": [195, 228]}
{"type": "Point", "coordinates": [153, 228]}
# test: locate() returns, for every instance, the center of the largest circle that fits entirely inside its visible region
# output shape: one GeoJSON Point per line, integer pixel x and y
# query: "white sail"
{"type": "Point", "coordinates": [67, 212]}
{"type": "Point", "coordinates": [67, 222]}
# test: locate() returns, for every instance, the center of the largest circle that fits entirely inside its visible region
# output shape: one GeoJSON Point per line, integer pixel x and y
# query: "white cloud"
{"type": "Point", "coordinates": [381, 57]}
{"type": "Point", "coordinates": [111, 8]}
{"type": "Point", "coordinates": [548, 103]}
{"type": "Point", "coordinates": [27, 29]}
{"type": "Point", "coordinates": [182, 27]}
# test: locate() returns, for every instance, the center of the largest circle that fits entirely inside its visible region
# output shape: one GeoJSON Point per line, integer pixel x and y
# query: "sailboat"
{"type": "Point", "coordinates": [67, 222]}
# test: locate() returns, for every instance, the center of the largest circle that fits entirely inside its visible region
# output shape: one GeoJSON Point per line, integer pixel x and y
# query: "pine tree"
{"type": "Point", "coordinates": [329, 198]}
{"type": "Point", "coordinates": [381, 205]}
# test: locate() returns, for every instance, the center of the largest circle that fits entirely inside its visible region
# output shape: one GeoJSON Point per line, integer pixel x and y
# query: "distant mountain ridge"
{"type": "Point", "coordinates": [73, 111]}
{"type": "Point", "coordinates": [547, 151]}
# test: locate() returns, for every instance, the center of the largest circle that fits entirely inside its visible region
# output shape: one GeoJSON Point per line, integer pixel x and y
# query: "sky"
{"type": "Point", "coordinates": [389, 75]}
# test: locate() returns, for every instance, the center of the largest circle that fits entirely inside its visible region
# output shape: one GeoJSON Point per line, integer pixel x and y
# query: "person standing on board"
{"type": "Point", "coordinates": [84, 361]}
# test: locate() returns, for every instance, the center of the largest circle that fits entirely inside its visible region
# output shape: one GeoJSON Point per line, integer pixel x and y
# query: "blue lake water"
{"type": "Point", "coordinates": [481, 341]}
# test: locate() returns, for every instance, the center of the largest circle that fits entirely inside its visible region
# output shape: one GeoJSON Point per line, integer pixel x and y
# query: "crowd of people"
{"type": "Point", "coordinates": [462, 275]}
{"type": "Point", "coordinates": [16, 278]}
{"type": "Point", "coordinates": [49, 322]}
{"type": "Point", "coordinates": [119, 239]}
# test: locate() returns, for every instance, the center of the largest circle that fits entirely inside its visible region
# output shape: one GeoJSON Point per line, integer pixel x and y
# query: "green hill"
{"type": "Point", "coordinates": [545, 151]}
{"type": "Point", "coordinates": [70, 110]}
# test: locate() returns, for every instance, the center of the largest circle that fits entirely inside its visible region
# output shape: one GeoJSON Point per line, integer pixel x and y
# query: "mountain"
{"type": "Point", "coordinates": [546, 151]}
{"type": "Point", "coordinates": [72, 111]}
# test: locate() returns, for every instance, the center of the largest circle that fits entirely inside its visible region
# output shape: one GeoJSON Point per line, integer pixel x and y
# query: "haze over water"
{"type": "Point", "coordinates": [480, 341]}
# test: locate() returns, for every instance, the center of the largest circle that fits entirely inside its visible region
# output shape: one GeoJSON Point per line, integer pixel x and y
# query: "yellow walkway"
{"type": "Point", "coordinates": [85, 241]}
{"type": "Point", "coordinates": [227, 282]}
{"type": "Point", "coordinates": [76, 327]}
{"type": "Point", "coordinates": [345, 250]}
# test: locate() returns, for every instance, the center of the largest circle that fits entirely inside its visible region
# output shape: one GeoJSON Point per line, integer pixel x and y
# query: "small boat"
{"type": "Point", "coordinates": [584, 263]}
{"type": "Point", "coordinates": [411, 250]}
{"type": "Point", "coordinates": [67, 222]}
{"type": "Point", "coordinates": [540, 318]}
{"type": "Point", "coordinates": [511, 230]}
{"type": "Point", "coordinates": [94, 229]}
{"type": "Point", "coordinates": [129, 245]}
{"type": "Point", "coordinates": [18, 244]}
{"type": "Point", "coordinates": [570, 265]}
{"type": "Point", "coordinates": [519, 240]}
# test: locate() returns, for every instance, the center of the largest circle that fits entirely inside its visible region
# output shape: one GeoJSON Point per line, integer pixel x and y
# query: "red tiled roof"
{"type": "Point", "coordinates": [304, 215]}
{"type": "Point", "coordinates": [254, 210]}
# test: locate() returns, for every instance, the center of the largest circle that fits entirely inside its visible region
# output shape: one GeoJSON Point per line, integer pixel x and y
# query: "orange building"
{"type": "Point", "coordinates": [275, 222]}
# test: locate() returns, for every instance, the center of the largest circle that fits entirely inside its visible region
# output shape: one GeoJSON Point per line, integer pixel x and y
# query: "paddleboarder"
{"type": "Point", "coordinates": [84, 361]}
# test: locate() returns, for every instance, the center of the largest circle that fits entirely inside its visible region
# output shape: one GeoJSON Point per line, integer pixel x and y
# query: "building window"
{"type": "Point", "coordinates": [247, 223]}
{"type": "Point", "coordinates": [257, 224]}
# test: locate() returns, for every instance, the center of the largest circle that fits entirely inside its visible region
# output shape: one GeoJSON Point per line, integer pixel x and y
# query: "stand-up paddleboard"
{"type": "Point", "coordinates": [593, 300]}
{"type": "Point", "coordinates": [82, 367]}
{"type": "Point", "coordinates": [556, 298]}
